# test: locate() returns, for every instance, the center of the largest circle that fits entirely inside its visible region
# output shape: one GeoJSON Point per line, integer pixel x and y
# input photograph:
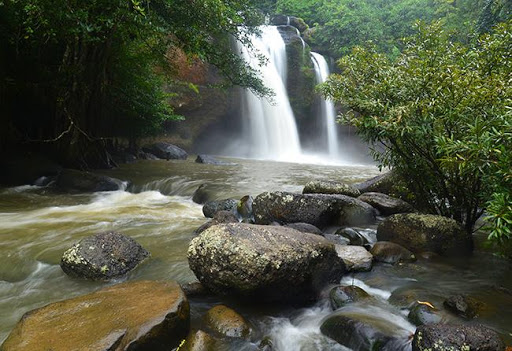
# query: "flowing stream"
{"type": "Point", "coordinates": [37, 225]}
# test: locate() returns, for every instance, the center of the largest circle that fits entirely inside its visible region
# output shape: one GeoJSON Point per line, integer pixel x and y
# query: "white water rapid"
{"type": "Point", "coordinates": [270, 131]}
{"type": "Point", "coordinates": [327, 110]}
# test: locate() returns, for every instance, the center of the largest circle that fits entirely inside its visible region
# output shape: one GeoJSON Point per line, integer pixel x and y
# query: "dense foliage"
{"type": "Point", "coordinates": [340, 24]}
{"type": "Point", "coordinates": [74, 74]}
{"type": "Point", "coordinates": [440, 115]}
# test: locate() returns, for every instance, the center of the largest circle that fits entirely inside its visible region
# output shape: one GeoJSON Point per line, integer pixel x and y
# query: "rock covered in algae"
{"type": "Point", "coordinates": [317, 209]}
{"type": "Point", "coordinates": [423, 232]}
{"type": "Point", "coordinates": [227, 322]}
{"type": "Point", "coordinates": [103, 256]}
{"type": "Point", "coordinates": [142, 315]}
{"type": "Point", "coordinates": [265, 262]}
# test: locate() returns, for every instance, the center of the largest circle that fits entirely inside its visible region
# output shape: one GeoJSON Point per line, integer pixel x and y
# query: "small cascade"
{"type": "Point", "coordinates": [327, 110]}
{"type": "Point", "coordinates": [269, 131]}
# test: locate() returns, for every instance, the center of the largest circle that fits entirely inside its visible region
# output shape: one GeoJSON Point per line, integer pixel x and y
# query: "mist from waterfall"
{"type": "Point", "coordinates": [327, 111]}
{"type": "Point", "coordinates": [269, 128]}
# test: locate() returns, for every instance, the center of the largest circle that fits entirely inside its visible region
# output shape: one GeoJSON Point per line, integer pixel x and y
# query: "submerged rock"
{"type": "Point", "coordinates": [166, 151]}
{"type": "Point", "coordinates": [361, 332]}
{"type": "Point", "coordinates": [73, 180]}
{"type": "Point", "coordinates": [356, 258]}
{"type": "Point", "coordinates": [341, 295]}
{"type": "Point", "coordinates": [330, 187]}
{"type": "Point", "coordinates": [210, 208]}
{"type": "Point", "coordinates": [103, 256]}
{"type": "Point", "coordinates": [388, 252]}
{"type": "Point", "coordinates": [202, 194]}
{"type": "Point", "coordinates": [440, 337]}
{"type": "Point", "coordinates": [316, 209]}
{"type": "Point", "coordinates": [210, 160]}
{"type": "Point", "coordinates": [386, 204]}
{"type": "Point", "coordinates": [353, 236]}
{"type": "Point", "coordinates": [142, 315]}
{"type": "Point", "coordinates": [423, 314]}
{"type": "Point", "coordinates": [420, 232]}
{"type": "Point", "coordinates": [464, 306]}
{"type": "Point", "coordinates": [199, 341]}
{"type": "Point", "coordinates": [226, 322]}
{"type": "Point", "coordinates": [264, 262]}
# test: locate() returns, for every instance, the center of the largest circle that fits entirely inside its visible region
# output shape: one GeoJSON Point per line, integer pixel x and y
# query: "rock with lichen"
{"type": "Point", "coordinates": [317, 209]}
{"type": "Point", "coordinates": [330, 187]}
{"type": "Point", "coordinates": [142, 315]}
{"type": "Point", "coordinates": [442, 337]}
{"type": "Point", "coordinates": [225, 321]}
{"type": "Point", "coordinates": [422, 232]}
{"type": "Point", "coordinates": [103, 256]}
{"type": "Point", "coordinates": [269, 263]}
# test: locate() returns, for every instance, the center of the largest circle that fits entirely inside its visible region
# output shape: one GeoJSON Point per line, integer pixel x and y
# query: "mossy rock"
{"type": "Point", "coordinates": [142, 315]}
{"type": "Point", "coordinates": [227, 322]}
{"type": "Point", "coordinates": [198, 340]}
{"type": "Point", "coordinates": [388, 252]}
{"type": "Point", "coordinates": [330, 187]}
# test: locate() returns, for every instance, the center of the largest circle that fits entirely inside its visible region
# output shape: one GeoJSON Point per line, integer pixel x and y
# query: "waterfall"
{"type": "Point", "coordinates": [269, 130]}
{"type": "Point", "coordinates": [327, 110]}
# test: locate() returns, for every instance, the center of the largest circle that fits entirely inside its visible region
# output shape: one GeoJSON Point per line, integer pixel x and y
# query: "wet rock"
{"type": "Point", "coordinates": [330, 187]}
{"type": "Point", "coordinates": [386, 204]}
{"type": "Point", "coordinates": [423, 314]}
{"type": "Point", "coordinates": [220, 217]}
{"type": "Point", "coordinates": [195, 289]}
{"type": "Point", "coordinates": [353, 236]}
{"type": "Point", "coordinates": [456, 337]}
{"type": "Point", "coordinates": [341, 295]}
{"type": "Point", "coordinates": [199, 341]}
{"type": "Point", "coordinates": [210, 208]}
{"type": "Point", "coordinates": [407, 296]}
{"type": "Point", "coordinates": [210, 160]}
{"type": "Point", "coordinates": [264, 262]}
{"type": "Point", "coordinates": [266, 344]}
{"type": "Point", "coordinates": [356, 258]}
{"type": "Point", "coordinates": [202, 194]}
{"type": "Point", "coordinates": [166, 151]}
{"type": "Point", "coordinates": [305, 228]}
{"type": "Point", "coordinates": [142, 315]}
{"type": "Point", "coordinates": [282, 20]}
{"type": "Point", "coordinates": [103, 256]}
{"type": "Point", "coordinates": [420, 232]}
{"type": "Point", "coordinates": [464, 306]}
{"type": "Point", "coordinates": [244, 209]}
{"type": "Point", "coordinates": [227, 322]}
{"type": "Point", "coordinates": [78, 181]}
{"type": "Point", "coordinates": [380, 184]}
{"type": "Point", "coordinates": [146, 156]}
{"type": "Point", "coordinates": [316, 209]}
{"type": "Point", "coordinates": [363, 332]}
{"type": "Point", "coordinates": [388, 252]}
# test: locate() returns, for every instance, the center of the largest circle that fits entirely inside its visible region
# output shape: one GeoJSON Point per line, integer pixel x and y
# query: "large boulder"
{"type": "Point", "coordinates": [356, 258]}
{"type": "Point", "coordinates": [227, 322]}
{"type": "Point", "coordinates": [330, 187]}
{"type": "Point", "coordinates": [386, 204]}
{"type": "Point", "coordinates": [210, 208]}
{"type": "Point", "coordinates": [316, 209]}
{"type": "Point", "coordinates": [283, 20]}
{"type": "Point", "coordinates": [218, 218]}
{"type": "Point", "coordinates": [421, 232]}
{"type": "Point", "coordinates": [103, 256]}
{"type": "Point", "coordinates": [166, 151]}
{"type": "Point", "coordinates": [265, 262]}
{"type": "Point", "coordinates": [79, 181]}
{"type": "Point", "coordinates": [440, 337]}
{"type": "Point", "coordinates": [388, 252]}
{"type": "Point", "coordinates": [380, 184]}
{"type": "Point", "coordinates": [142, 315]}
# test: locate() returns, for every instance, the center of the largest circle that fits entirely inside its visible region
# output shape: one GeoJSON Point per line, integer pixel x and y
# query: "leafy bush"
{"type": "Point", "coordinates": [440, 115]}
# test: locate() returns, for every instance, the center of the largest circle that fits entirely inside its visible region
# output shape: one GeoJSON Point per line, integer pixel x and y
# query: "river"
{"type": "Point", "coordinates": [37, 225]}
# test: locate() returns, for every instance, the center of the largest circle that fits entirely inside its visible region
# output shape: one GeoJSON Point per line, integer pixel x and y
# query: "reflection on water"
{"type": "Point", "coordinates": [37, 225]}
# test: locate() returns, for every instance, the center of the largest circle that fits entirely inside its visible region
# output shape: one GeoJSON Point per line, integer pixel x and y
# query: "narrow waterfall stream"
{"type": "Point", "coordinates": [327, 110]}
{"type": "Point", "coordinates": [269, 130]}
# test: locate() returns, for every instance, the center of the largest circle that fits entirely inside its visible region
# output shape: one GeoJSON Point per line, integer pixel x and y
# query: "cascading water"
{"type": "Point", "coordinates": [270, 131]}
{"type": "Point", "coordinates": [327, 110]}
